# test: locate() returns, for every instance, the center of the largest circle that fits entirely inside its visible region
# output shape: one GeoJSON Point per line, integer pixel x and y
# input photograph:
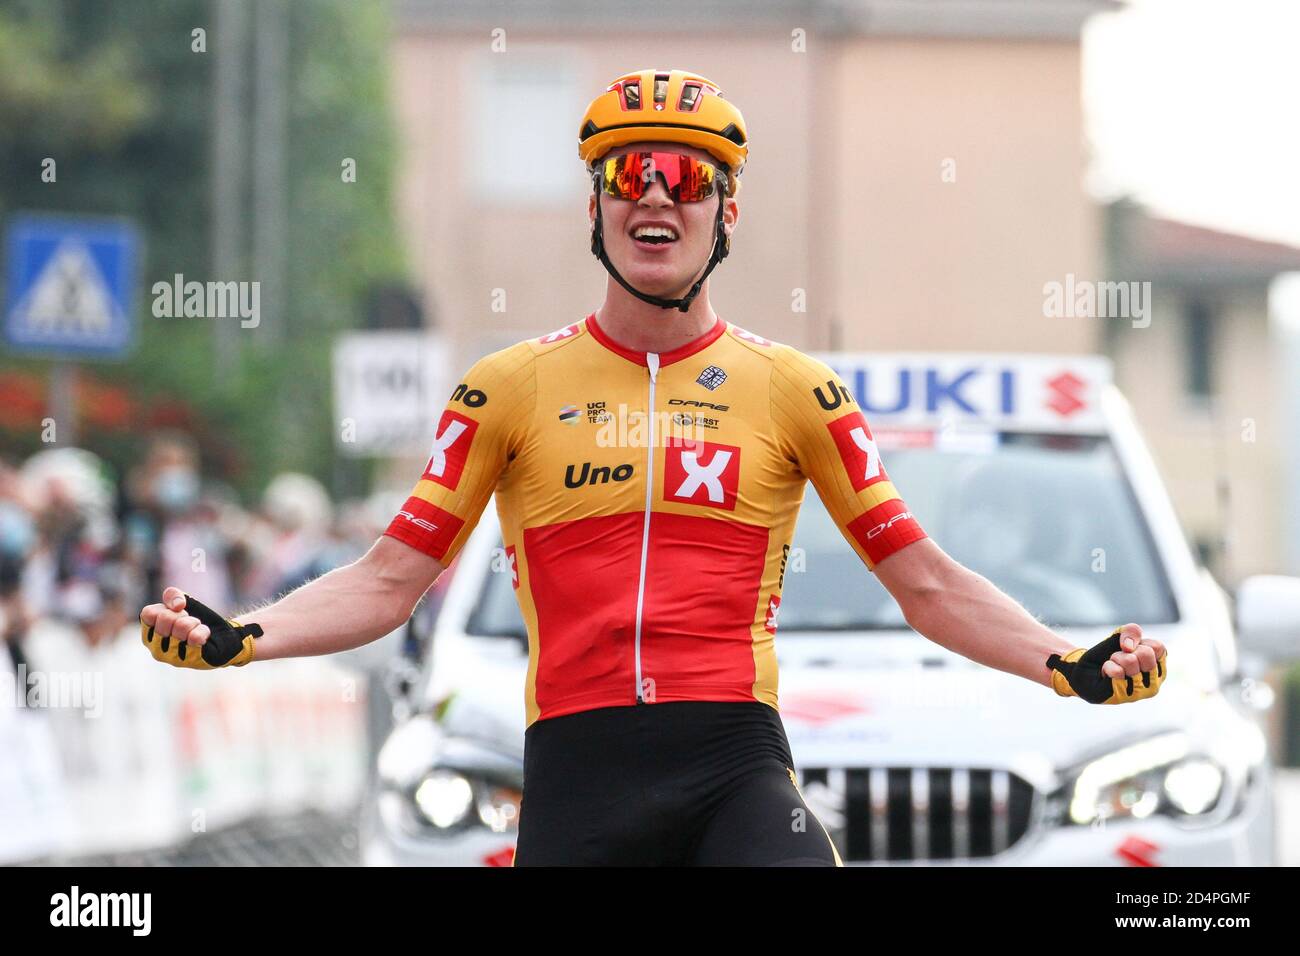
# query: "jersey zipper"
{"type": "Point", "coordinates": [652, 363]}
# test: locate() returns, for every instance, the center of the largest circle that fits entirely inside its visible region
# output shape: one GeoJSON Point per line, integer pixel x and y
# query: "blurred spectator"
{"type": "Point", "coordinates": [300, 515]}
{"type": "Point", "coordinates": [17, 541]}
{"type": "Point", "coordinates": [80, 553]}
{"type": "Point", "coordinates": [77, 547]}
{"type": "Point", "coordinates": [171, 529]}
{"type": "Point", "coordinates": [76, 568]}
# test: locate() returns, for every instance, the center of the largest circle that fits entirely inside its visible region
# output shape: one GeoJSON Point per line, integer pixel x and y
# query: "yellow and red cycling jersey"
{"type": "Point", "coordinates": [647, 503]}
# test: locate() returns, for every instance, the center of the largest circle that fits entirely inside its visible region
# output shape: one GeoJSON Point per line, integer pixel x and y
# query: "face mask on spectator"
{"type": "Point", "coordinates": [176, 489]}
{"type": "Point", "coordinates": [17, 532]}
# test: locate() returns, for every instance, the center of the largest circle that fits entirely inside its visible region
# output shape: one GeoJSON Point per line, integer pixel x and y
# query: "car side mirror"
{"type": "Point", "coordinates": [1268, 616]}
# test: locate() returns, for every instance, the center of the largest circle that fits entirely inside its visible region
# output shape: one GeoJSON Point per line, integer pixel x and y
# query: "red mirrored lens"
{"type": "Point", "coordinates": [623, 176]}
{"type": "Point", "coordinates": [686, 178]}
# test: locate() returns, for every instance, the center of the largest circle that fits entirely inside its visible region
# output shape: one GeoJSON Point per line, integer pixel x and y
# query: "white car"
{"type": "Point", "coordinates": [1029, 470]}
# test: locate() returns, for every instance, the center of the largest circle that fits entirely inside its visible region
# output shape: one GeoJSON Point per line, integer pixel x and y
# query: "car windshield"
{"type": "Point", "coordinates": [1049, 519]}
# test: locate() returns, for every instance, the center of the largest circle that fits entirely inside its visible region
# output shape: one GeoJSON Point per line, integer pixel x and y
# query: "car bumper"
{"type": "Point", "coordinates": [1246, 839]}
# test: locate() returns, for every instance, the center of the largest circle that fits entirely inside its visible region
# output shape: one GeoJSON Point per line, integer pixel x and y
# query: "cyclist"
{"type": "Point", "coordinates": [648, 464]}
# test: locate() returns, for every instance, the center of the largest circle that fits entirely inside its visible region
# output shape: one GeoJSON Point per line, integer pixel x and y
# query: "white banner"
{"type": "Point", "coordinates": [109, 750]}
{"type": "Point", "coordinates": [389, 389]}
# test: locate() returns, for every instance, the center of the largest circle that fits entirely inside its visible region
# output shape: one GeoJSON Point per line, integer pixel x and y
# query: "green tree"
{"type": "Point", "coordinates": [116, 95]}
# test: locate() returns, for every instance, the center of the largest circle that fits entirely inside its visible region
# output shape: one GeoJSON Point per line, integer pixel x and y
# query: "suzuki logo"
{"type": "Point", "coordinates": [1065, 389]}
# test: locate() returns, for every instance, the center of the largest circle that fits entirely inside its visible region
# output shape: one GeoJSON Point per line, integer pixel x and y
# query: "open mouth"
{"type": "Point", "coordinates": [654, 237]}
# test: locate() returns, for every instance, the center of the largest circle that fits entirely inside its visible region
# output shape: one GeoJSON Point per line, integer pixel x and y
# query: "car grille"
{"type": "Point", "coordinates": [914, 813]}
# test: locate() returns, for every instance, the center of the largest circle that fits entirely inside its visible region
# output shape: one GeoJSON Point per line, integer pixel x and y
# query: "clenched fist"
{"type": "Point", "coordinates": [1124, 667]}
{"type": "Point", "coordinates": [183, 632]}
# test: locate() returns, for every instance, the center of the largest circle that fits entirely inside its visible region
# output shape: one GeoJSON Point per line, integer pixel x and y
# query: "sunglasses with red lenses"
{"type": "Point", "coordinates": [687, 179]}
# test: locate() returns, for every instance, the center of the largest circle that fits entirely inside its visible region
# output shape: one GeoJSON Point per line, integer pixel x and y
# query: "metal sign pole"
{"type": "Point", "coordinates": [63, 403]}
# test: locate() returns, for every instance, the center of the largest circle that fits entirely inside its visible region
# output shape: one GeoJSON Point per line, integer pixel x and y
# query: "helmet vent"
{"type": "Point", "coordinates": [661, 88]}
{"type": "Point", "coordinates": [690, 99]}
{"type": "Point", "coordinates": [632, 95]}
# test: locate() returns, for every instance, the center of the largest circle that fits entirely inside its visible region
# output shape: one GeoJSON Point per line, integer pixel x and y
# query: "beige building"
{"type": "Point", "coordinates": [1206, 378]}
{"type": "Point", "coordinates": [916, 180]}
{"type": "Point", "coordinates": [915, 174]}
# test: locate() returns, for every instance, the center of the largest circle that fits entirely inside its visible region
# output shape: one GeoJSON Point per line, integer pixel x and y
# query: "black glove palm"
{"type": "Point", "coordinates": [1079, 674]}
{"type": "Point", "coordinates": [230, 643]}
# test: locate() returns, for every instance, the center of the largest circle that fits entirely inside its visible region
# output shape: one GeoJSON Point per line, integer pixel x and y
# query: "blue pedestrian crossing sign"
{"type": "Point", "coordinates": [71, 285]}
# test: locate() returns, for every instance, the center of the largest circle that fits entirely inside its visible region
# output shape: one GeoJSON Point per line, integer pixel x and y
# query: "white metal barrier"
{"type": "Point", "coordinates": [123, 753]}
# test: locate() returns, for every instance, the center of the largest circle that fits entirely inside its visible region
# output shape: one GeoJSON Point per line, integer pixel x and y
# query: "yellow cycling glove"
{"type": "Point", "coordinates": [229, 644]}
{"type": "Point", "coordinates": [1079, 674]}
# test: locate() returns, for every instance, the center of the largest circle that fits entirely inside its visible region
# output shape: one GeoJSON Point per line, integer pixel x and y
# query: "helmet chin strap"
{"type": "Point", "coordinates": [721, 246]}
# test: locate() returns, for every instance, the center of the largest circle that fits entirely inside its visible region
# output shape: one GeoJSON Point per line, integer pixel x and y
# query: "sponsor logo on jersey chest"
{"type": "Point", "coordinates": [711, 377]}
{"type": "Point", "coordinates": [579, 476]}
{"type": "Point", "coordinates": [702, 473]}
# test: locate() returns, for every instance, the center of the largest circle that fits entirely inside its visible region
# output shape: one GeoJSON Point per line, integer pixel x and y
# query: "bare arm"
{"type": "Point", "coordinates": [350, 606]}
{"type": "Point", "coordinates": [963, 611]}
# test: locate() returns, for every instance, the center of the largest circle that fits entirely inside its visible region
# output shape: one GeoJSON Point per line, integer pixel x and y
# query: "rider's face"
{"type": "Point", "coordinates": [667, 269]}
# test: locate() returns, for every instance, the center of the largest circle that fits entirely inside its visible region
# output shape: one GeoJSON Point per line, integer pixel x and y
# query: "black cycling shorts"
{"type": "Point", "coordinates": [681, 783]}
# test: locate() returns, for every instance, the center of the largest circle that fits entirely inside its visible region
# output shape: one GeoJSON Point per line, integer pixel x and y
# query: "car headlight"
{"type": "Point", "coordinates": [1193, 786]}
{"type": "Point", "coordinates": [432, 784]}
{"type": "Point", "coordinates": [1157, 776]}
{"type": "Point", "coordinates": [444, 798]}
{"type": "Point", "coordinates": [449, 801]}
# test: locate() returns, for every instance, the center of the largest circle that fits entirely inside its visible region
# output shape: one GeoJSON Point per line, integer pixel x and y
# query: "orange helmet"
{"type": "Point", "coordinates": [673, 105]}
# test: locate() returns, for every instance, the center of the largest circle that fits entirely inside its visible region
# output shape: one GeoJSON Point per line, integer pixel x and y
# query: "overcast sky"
{"type": "Point", "coordinates": [1193, 106]}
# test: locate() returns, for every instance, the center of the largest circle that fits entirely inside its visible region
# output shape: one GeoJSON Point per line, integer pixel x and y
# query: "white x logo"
{"type": "Point", "coordinates": [558, 334]}
{"type": "Point", "coordinates": [438, 460]}
{"type": "Point", "coordinates": [859, 436]}
{"type": "Point", "coordinates": [706, 475]}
